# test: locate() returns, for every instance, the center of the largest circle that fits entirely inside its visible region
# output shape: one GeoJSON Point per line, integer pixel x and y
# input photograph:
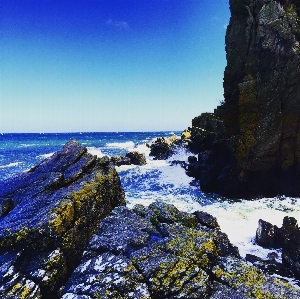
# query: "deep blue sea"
{"type": "Point", "coordinates": [158, 180]}
{"type": "Point", "coordinates": [19, 152]}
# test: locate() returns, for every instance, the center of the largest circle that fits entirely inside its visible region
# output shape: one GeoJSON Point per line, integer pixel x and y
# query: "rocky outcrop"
{"type": "Point", "coordinates": [261, 113]}
{"type": "Point", "coordinates": [159, 252]}
{"type": "Point", "coordinates": [133, 157]}
{"type": "Point", "coordinates": [162, 148]}
{"type": "Point", "coordinates": [136, 158]}
{"type": "Point", "coordinates": [48, 215]}
{"type": "Point", "coordinates": [287, 237]}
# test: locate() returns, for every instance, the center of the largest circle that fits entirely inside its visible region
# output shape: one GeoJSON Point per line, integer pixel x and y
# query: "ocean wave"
{"type": "Point", "coordinates": [27, 144]}
{"type": "Point", "coordinates": [45, 156]}
{"type": "Point", "coordinates": [95, 151]}
{"type": "Point", "coordinates": [14, 164]}
{"type": "Point", "coordinates": [126, 145]}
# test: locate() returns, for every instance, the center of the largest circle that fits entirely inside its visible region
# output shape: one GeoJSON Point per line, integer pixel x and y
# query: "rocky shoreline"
{"type": "Point", "coordinates": [66, 233]}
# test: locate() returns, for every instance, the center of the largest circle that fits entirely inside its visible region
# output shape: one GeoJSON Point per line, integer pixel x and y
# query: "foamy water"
{"type": "Point", "coordinates": [127, 145]}
{"type": "Point", "coordinates": [158, 180]}
{"type": "Point", "coordinates": [45, 156]}
{"type": "Point", "coordinates": [14, 164]}
{"type": "Point", "coordinates": [95, 151]}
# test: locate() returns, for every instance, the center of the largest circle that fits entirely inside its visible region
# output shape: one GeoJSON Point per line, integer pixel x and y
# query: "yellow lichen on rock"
{"type": "Point", "coordinates": [63, 216]}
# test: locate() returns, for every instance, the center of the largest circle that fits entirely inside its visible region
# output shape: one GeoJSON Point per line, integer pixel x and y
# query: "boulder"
{"type": "Point", "coordinates": [162, 148]}
{"type": "Point", "coordinates": [136, 158]}
{"type": "Point", "coordinates": [133, 157]}
{"type": "Point", "coordinates": [48, 215]}
{"type": "Point", "coordinates": [207, 219]}
{"type": "Point", "coordinates": [267, 235]}
{"type": "Point", "coordinates": [287, 237]}
{"type": "Point", "coordinates": [270, 266]}
{"type": "Point", "coordinates": [160, 252]}
{"type": "Point", "coordinates": [120, 160]}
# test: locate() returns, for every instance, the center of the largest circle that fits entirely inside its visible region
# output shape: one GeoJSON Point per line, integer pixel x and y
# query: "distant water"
{"type": "Point", "coordinates": [155, 181]}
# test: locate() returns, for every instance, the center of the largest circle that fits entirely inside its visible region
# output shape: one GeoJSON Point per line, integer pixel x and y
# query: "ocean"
{"type": "Point", "coordinates": [157, 180]}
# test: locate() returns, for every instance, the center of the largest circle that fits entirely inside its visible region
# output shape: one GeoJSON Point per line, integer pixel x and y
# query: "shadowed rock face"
{"type": "Point", "coordinates": [47, 217]}
{"type": "Point", "coordinates": [261, 112]}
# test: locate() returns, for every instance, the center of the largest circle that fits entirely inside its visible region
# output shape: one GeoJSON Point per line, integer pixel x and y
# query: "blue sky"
{"type": "Point", "coordinates": [109, 65]}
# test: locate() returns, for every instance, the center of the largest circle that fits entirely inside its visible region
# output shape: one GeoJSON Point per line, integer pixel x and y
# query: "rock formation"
{"type": "Point", "coordinates": [287, 237]}
{"type": "Point", "coordinates": [260, 153]}
{"type": "Point", "coordinates": [162, 148]}
{"type": "Point", "coordinates": [48, 215]}
{"type": "Point", "coordinates": [132, 157]}
{"type": "Point", "coordinates": [57, 240]}
{"type": "Point", "coordinates": [159, 252]}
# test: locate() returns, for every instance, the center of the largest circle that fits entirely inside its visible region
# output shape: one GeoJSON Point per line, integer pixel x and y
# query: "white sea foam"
{"type": "Point", "coordinates": [142, 148]}
{"type": "Point", "coordinates": [45, 156]}
{"type": "Point", "coordinates": [127, 145]}
{"type": "Point", "coordinates": [239, 220]}
{"type": "Point", "coordinates": [95, 151]}
{"type": "Point", "coordinates": [14, 164]}
{"type": "Point", "coordinates": [27, 144]}
{"type": "Point", "coordinates": [158, 180]}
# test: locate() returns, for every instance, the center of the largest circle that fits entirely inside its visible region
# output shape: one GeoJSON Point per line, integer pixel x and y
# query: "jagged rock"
{"type": "Point", "coordinates": [251, 281]}
{"type": "Point", "coordinates": [266, 235]}
{"type": "Point", "coordinates": [261, 110]}
{"type": "Point", "coordinates": [287, 237]}
{"type": "Point", "coordinates": [120, 160]}
{"type": "Point", "coordinates": [205, 129]}
{"type": "Point", "coordinates": [53, 210]}
{"type": "Point", "coordinates": [136, 158]}
{"type": "Point", "coordinates": [133, 157]}
{"type": "Point", "coordinates": [159, 252]}
{"type": "Point", "coordinates": [207, 219]}
{"type": "Point", "coordinates": [162, 148]}
{"type": "Point", "coordinates": [192, 159]}
{"type": "Point", "coordinates": [269, 266]}
{"type": "Point", "coordinates": [291, 245]}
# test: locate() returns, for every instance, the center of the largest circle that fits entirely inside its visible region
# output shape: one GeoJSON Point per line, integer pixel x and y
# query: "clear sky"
{"type": "Point", "coordinates": [109, 65]}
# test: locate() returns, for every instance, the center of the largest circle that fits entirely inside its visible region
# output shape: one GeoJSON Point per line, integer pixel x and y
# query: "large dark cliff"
{"type": "Point", "coordinates": [259, 154]}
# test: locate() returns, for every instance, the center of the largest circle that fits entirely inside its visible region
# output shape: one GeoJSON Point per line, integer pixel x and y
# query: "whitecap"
{"type": "Point", "coordinates": [126, 145]}
{"type": "Point", "coordinates": [95, 151]}
{"type": "Point", "coordinates": [45, 156]}
{"type": "Point", "coordinates": [14, 164]}
{"type": "Point", "coordinates": [27, 144]}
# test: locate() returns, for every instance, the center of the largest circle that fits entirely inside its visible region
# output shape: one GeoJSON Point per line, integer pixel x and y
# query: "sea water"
{"type": "Point", "coordinates": [158, 180]}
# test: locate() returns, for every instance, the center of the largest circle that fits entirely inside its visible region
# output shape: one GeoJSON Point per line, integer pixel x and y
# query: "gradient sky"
{"type": "Point", "coordinates": [109, 65]}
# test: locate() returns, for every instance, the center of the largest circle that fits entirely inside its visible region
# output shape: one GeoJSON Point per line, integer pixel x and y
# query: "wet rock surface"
{"type": "Point", "coordinates": [160, 252]}
{"type": "Point", "coordinates": [288, 238]}
{"type": "Point", "coordinates": [48, 215]}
